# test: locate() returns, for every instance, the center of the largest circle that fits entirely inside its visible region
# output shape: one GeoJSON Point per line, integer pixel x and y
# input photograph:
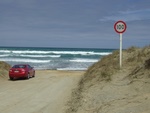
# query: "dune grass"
{"type": "Point", "coordinates": [4, 67]}
{"type": "Point", "coordinates": [108, 65]}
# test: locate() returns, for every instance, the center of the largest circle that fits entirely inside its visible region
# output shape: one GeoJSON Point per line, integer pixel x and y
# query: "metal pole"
{"type": "Point", "coordinates": [120, 50]}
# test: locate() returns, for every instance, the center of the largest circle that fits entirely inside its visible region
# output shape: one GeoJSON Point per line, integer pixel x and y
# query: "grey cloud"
{"type": "Point", "coordinates": [129, 15]}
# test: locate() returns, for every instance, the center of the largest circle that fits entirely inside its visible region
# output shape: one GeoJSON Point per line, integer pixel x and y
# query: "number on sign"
{"type": "Point", "coordinates": [120, 26]}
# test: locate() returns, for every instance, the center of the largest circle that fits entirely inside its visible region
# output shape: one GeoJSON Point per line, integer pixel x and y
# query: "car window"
{"type": "Point", "coordinates": [19, 66]}
{"type": "Point", "coordinates": [29, 66]}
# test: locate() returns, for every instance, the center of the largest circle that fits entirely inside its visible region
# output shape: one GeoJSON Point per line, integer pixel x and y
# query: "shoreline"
{"type": "Point", "coordinates": [59, 70]}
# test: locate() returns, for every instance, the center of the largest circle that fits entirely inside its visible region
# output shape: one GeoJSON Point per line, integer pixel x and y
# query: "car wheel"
{"type": "Point", "coordinates": [11, 78]}
{"type": "Point", "coordinates": [28, 76]}
{"type": "Point", "coordinates": [33, 74]}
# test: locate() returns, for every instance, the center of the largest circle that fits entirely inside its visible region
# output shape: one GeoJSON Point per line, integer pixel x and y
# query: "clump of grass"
{"type": "Point", "coordinates": [132, 49]}
{"type": "Point", "coordinates": [104, 68]}
{"type": "Point", "coordinates": [106, 75]}
{"type": "Point", "coordinates": [140, 61]}
{"type": "Point", "coordinates": [4, 67]}
{"type": "Point", "coordinates": [136, 56]}
{"type": "Point", "coordinates": [147, 64]}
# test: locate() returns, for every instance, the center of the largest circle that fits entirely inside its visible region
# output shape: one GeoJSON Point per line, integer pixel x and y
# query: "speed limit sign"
{"type": "Point", "coordinates": [120, 26]}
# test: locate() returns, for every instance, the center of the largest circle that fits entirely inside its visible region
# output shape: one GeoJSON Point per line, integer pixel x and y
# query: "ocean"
{"type": "Point", "coordinates": [53, 58]}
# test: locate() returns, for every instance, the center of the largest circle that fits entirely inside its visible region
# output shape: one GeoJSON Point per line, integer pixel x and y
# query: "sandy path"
{"type": "Point", "coordinates": [48, 92]}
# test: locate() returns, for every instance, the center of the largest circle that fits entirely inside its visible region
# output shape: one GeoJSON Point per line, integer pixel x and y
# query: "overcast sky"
{"type": "Point", "coordinates": [73, 23]}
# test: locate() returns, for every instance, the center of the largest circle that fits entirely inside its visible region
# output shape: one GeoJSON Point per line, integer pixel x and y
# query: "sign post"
{"type": "Point", "coordinates": [120, 27]}
{"type": "Point", "coordinates": [120, 50]}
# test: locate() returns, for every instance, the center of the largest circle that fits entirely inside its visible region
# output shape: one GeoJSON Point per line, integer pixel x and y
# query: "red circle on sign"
{"type": "Point", "coordinates": [120, 26]}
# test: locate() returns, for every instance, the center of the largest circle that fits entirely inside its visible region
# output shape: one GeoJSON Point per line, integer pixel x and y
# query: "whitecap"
{"type": "Point", "coordinates": [83, 60]}
{"type": "Point", "coordinates": [24, 60]}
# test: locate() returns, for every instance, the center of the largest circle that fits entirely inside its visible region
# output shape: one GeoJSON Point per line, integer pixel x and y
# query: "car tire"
{"type": "Point", "coordinates": [11, 78]}
{"type": "Point", "coordinates": [28, 76]}
{"type": "Point", "coordinates": [33, 74]}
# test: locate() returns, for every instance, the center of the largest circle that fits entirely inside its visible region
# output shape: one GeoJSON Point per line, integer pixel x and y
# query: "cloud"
{"type": "Point", "coordinates": [129, 16]}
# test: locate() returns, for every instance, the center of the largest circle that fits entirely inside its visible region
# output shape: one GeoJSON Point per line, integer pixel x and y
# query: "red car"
{"type": "Point", "coordinates": [21, 71]}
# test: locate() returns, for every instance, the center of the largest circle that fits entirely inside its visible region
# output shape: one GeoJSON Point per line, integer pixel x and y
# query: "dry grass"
{"type": "Point", "coordinates": [4, 67]}
{"type": "Point", "coordinates": [134, 58]}
{"type": "Point", "coordinates": [137, 55]}
{"type": "Point", "coordinates": [147, 64]}
{"type": "Point", "coordinates": [139, 62]}
{"type": "Point", "coordinates": [103, 69]}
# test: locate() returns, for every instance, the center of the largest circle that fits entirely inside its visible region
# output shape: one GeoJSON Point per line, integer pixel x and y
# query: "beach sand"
{"type": "Point", "coordinates": [48, 92]}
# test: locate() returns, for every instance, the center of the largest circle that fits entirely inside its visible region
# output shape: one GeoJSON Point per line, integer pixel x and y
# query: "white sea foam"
{"type": "Point", "coordinates": [24, 51]}
{"type": "Point", "coordinates": [37, 52]}
{"type": "Point", "coordinates": [71, 52]}
{"type": "Point", "coordinates": [5, 55]}
{"type": "Point", "coordinates": [81, 52]}
{"type": "Point", "coordinates": [55, 52]}
{"type": "Point", "coordinates": [24, 60]}
{"type": "Point", "coordinates": [83, 60]}
{"type": "Point", "coordinates": [5, 51]}
{"type": "Point", "coordinates": [102, 53]}
{"type": "Point", "coordinates": [52, 56]}
{"type": "Point", "coordinates": [72, 69]}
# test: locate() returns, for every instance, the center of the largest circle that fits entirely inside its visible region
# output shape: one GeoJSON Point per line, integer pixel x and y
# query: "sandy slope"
{"type": "Point", "coordinates": [48, 92]}
{"type": "Point", "coordinates": [121, 95]}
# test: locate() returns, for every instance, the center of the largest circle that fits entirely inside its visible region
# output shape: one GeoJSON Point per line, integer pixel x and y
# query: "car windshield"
{"type": "Point", "coordinates": [19, 66]}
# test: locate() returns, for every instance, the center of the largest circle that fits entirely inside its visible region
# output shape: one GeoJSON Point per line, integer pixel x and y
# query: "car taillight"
{"type": "Point", "coordinates": [10, 70]}
{"type": "Point", "coordinates": [23, 70]}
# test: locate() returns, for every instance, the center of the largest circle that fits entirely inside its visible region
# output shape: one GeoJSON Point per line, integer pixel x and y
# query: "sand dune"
{"type": "Point", "coordinates": [107, 89]}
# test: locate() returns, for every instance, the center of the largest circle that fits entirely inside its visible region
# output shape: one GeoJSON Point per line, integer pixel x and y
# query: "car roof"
{"type": "Point", "coordinates": [20, 64]}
